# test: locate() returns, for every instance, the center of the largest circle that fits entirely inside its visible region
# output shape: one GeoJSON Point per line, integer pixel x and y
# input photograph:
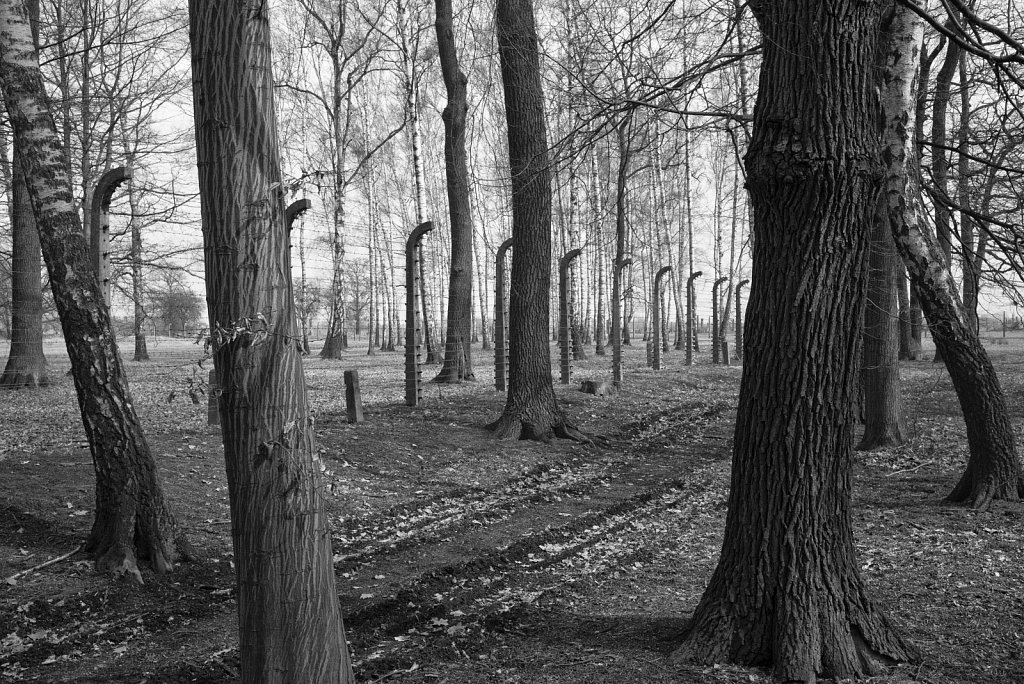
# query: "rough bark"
{"type": "Point", "coordinates": [940, 163]}
{"type": "Point", "coordinates": [132, 520]}
{"type": "Point", "coordinates": [786, 592]}
{"type": "Point", "coordinates": [993, 467]}
{"type": "Point", "coordinates": [458, 363]}
{"type": "Point", "coordinates": [289, 619]}
{"type": "Point", "coordinates": [884, 425]}
{"type": "Point", "coordinates": [531, 410]}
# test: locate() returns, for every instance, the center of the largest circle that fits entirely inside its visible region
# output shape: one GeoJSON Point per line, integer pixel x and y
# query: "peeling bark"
{"type": "Point", "coordinates": [993, 467]}
{"type": "Point", "coordinates": [132, 520]}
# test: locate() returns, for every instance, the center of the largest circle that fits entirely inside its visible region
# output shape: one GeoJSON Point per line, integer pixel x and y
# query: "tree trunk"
{"type": "Point", "coordinates": [132, 520]}
{"type": "Point", "coordinates": [289, 619]}
{"type": "Point", "coordinates": [993, 467]}
{"type": "Point", "coordinates": [599, 255]}
{"type": "Point", "coordinates": [884, 425]}
{"type": "Point", "coordinates": [458, 364]}
{"type": "Point", "coordinates": [26, 364]}
{"type": "Point", "coordinates": [531, 410]}
{"type": "Point", "coordinates": [786, 591]}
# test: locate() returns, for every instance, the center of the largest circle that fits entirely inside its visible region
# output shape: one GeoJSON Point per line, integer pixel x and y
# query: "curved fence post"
{"type": "Point", "coordinates": [656, 310]}
{"type": "Point", "coordinates": [99, 224]}
{"type": "Point", "coordinates": [716, 333]}
{"type": "Point", "coordinates": [564, 332]}
{"type": "Point", "coordinates": [413, 384]}
{"type": "Point", "coordinates": [617, 326]}
{"type": "Point", "coordinates": [737, 352]}
{"type": "Point", "coordinates": [500, 319]}
{"type": "Point", "coordinates": [691, 332]}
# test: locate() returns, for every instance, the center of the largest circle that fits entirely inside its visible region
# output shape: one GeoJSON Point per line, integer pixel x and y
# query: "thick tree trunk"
{"type": "Point", "coordinates": [132, 520]}
{"type": "Point", "coordinates": [531, 410]}
{"type": "Point", "coordinates": [884, 425]}
{"type": "Point", "coordinates": [786, 591]}
{"type": "Point", "coordinates": [458, 363]}
{"type": "Point", "coordinates": [993, 468]}
{"type": "Point", "coordinates": [26, 364]}
{"type": "Point", "coordinates": [289, 619]}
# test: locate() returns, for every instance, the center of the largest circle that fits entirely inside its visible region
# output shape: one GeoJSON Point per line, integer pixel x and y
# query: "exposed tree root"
{"type": "Point", "coordinates": [511, 427]}
{"type": "Point", "coordinates": [979, 493]}
{"type": "Point", "coordinates": [119, 544]}
{"type": "Point", "coordinates": [827, 651]}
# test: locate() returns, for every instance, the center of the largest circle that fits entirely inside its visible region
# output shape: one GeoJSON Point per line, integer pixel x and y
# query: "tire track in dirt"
{"type": "Point", "coordinates": [474, 561]}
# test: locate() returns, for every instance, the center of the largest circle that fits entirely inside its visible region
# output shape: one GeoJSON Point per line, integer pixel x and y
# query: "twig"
{"type": "Point", "coordinates": [52, 561]}
{"type": "Point", "coordinates": [910, 470]}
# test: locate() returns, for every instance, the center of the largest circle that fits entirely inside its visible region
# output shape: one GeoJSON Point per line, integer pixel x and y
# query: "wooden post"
{"type": "Point", "coordinates": [725, 352]}
{"type": "Point", "coordinates": [500, 319]}
{"type": "Point", "coordinates": [656, 327]}
{"type": "Point", "coordinates": [212, 400]}
{"type": "Point", "coordinates": [617, 327]}
{"type": "Point", "coordinates": [292, 212]}
{"type": "Point", "coordinates": [353, 400]}
{"type": "Point", "coordinates": [99, 224]}
{"type": "Point", "coordinates": [716, 333]}
{"type": "Point", "coordinates": [564, 330]}
{"type": "Point", "coordinates": [413, 384]}
{"type": "Point", "coordinates": [737, 351]}
{"type": "Point", "coordinates": [691, 332]}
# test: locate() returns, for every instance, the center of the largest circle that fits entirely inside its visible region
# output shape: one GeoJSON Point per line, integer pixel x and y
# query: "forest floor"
{"type": "Point", "coordinates": [462, 559]}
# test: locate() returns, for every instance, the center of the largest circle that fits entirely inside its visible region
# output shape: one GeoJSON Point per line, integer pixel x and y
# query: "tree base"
{"type": "Point", "coordinates": [979, 493]}
{"type": "Point", "coordinates": [24, 380]}
{"type": "Point", "coordinates": [827, 650]}
{"type": "Point", "coordinates": [510, 427]}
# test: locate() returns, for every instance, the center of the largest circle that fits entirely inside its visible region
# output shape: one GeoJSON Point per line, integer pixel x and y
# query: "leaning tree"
{"type": "Point", "coordinates": [787, 592]}
{"type": "Point", "coordinates": [289, 618]}
{"type": "Point", "coordinates": [993, 467]}
{"type": "Point", "coordinates": [132, 520]}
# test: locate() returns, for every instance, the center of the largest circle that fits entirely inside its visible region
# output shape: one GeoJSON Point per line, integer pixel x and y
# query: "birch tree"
{"type": "Point", "coordinates": [132, 520]}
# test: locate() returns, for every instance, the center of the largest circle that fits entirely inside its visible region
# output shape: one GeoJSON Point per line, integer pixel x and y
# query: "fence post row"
{"type": "Point", "coordinates": [99, 224]}
{"type": "Point", "coordinates": [413, 384]}
{"type": "Point", "coordinates": [500, 319]}
{"type": "Point", "coordinates": [564, 331]}
{"type": "Point", "coordinates": [656, 310]}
